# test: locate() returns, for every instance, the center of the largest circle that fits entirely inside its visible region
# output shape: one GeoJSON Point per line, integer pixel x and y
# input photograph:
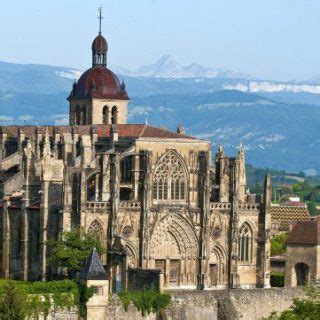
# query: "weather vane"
{"type": "Point", "coordinates": [100, 18]}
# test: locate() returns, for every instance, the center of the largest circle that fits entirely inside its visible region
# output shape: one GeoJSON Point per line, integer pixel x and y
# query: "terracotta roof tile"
{"type": "Point", "coordinates": [106, 85]}
{"type": "Point", "coordinates": [286, 215]}
{"type": "Point", "coordinates": [103, 131]}
{"type": "Point", "coordinates": [305, 232]}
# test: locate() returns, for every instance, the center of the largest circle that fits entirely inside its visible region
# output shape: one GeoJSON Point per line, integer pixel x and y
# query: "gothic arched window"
{"type": "Point", "coordinates": [114, 115]}
{"type": "Point", "coordinates": [105, 115]}
{"type": "Point", "coordinates": [245, 243]}
{"type": "Point", "coordinates": [126, 169]}
{"type": "Point", "coordinates": [170, 179]}
{"type": "Point", "coordinates": [96, 229]}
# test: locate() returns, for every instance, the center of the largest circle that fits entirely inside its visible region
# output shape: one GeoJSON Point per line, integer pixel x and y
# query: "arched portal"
{"type": "Point", "coordinates": [174, 250]}
{"type": "Point", "coordinates": [302, 273]}
{"type": "Point", "coordinates": [217, 267]}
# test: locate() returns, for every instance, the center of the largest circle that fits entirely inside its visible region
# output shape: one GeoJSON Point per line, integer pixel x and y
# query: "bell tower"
{"type": "Point", "coordinates": [98, 97]}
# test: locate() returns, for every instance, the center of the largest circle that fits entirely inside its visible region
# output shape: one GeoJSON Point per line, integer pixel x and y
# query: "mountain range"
{"type": "Point", "coordinates": [277, 122]}
{"type": "Point", "coordinates": [168, 67]}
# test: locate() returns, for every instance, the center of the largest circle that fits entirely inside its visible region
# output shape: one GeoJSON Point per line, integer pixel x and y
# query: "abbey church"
{"type": "Point", "coordinates": [160, 197]}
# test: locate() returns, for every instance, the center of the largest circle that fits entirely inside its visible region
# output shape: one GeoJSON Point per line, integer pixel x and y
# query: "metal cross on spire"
{"type": "Point", "coordinates": [100, 18]}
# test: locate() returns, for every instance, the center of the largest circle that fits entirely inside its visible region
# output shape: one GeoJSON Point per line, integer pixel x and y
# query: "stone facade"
{"type": "Point", "coordinates": [157, 196]}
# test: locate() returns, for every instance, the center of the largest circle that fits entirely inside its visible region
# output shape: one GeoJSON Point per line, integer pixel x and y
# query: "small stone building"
{"type": "Point", "coordinates": [303, 253]}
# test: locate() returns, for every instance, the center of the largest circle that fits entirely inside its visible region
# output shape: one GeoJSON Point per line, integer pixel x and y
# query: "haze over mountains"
{"type": "Point", "coordinates": [277, 122]}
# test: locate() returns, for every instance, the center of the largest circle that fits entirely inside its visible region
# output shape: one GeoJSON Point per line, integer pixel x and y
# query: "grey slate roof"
{"type": "Point", "coordinates": [93, 269]}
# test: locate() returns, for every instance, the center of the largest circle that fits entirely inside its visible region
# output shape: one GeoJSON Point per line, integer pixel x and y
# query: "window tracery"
{"type": "Point", "coordinates": [96, 229]}
{"type": "Point", "coordinates": [245, 243]}
{"type": "Point", "coordinates": [170, 179]}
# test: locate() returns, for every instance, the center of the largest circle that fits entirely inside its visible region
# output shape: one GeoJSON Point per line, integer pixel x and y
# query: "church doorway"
{"type": "Point", "coordinates": [160, 264]}
{"type": "Point", "coordinates": [214, 275]}
{"type": "Point", "coordinates": [173, 249]}
{"type": "Point", "coordinates": [302, 273]}
{"type": "Point", "coordinates": [174, 272]}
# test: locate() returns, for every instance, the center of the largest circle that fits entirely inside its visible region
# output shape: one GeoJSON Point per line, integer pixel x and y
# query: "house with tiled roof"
{"type": "Point", "coordinates": [161, 194]}
{"type": "Point", "coordinates": [303, 253]}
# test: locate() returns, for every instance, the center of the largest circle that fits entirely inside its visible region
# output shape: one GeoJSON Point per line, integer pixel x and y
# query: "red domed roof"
{"type": "Point", "coordinates": [99, 43]}
{"type": "Point", "coordinates": [99, 82]}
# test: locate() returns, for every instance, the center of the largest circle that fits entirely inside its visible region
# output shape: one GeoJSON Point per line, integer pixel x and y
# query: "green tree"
{"type": "Point", "coordinates": [72, 248]}
{"type": "Point", "coordinates": [312, 209]}
{"type": "Point", "coordinates": [12, 303]}
{"type": "Point", "coordinates": [278, 244]}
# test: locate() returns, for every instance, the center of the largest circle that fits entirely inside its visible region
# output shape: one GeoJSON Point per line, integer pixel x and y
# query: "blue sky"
{"type": "Point", "coordinates": [273, 39]}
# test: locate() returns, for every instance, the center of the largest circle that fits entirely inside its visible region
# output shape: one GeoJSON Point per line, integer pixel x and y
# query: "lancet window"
{"type": "Point", "coordinates": [245, 243]}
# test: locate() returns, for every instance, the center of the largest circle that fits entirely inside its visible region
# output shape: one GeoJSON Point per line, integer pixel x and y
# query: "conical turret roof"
{"type": "Point", "coordinates": [93, 269]}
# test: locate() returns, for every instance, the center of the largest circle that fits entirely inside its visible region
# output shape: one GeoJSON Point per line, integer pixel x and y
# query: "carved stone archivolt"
{"type": "Point", "coordinates": [173, 237]}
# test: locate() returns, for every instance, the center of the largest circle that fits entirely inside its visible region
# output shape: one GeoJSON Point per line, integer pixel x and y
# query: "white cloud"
{"type": "Point", "coordinates": [5, 118]}
{"type": "Point", "coordinates": [139, 111]}
{"type": "Point", "coordinates": [25, 117]}
{"type": "Point", "coordinates": [62, 122]}
{"type": "Point", "coordinates": [70, 74]}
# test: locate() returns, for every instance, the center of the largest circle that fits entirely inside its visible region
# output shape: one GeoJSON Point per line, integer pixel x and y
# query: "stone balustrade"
{"type": "Point", "coordinates": [247, 206]}
{"type": "Point", "coordinates": [220, 205]}
{"type": "Point", "coordinates": [96, 206]}
{"type": "Point", "coordinates": [130, 204]}
{"type": "Point", "coordinates": [227, 205]}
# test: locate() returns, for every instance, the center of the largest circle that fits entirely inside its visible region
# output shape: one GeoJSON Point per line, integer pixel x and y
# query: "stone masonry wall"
{"type": "Point", "coordinates": [239, 304]}
{"type": "Point", "coordinates": [257, 303]}
{"type": "Point", "coordinates": [186, 305]}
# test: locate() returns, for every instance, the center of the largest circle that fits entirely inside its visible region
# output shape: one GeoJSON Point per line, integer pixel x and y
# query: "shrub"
{"type": "Point", "coordinates": [278, 244]}
{"type": "Point", "coordinates": [12, 303]}
{"type": "Point", "coordinates": [146, 301]}
{"type": "Point", "coordinates": [40, 297]}
{"type": "Point", "coordinates": [308, 308]}
{"type": "Point", "coordinates": [277, 279]}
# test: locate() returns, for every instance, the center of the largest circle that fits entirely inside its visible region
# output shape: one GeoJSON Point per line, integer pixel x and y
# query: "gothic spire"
{"type": "Point", "coordinates": [241, 151]}
{"type": "Point", "coordinates": [46, 147]}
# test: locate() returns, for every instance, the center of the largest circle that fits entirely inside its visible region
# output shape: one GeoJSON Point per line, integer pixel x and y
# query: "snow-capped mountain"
{"type": "Point", "coordinates": [168, 67]}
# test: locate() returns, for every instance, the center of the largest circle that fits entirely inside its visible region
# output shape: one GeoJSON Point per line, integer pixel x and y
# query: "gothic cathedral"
{"type": "Point", "coordinates": [160, 197]}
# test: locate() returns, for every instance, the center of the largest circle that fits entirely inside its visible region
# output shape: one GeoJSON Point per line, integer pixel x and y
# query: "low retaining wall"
{"type": "Point", "coordinates": [257, 303]}
{"type": "Point", "coordinates": [251, 304]}
{"type": "Point", "coordinates": [186, 306]}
